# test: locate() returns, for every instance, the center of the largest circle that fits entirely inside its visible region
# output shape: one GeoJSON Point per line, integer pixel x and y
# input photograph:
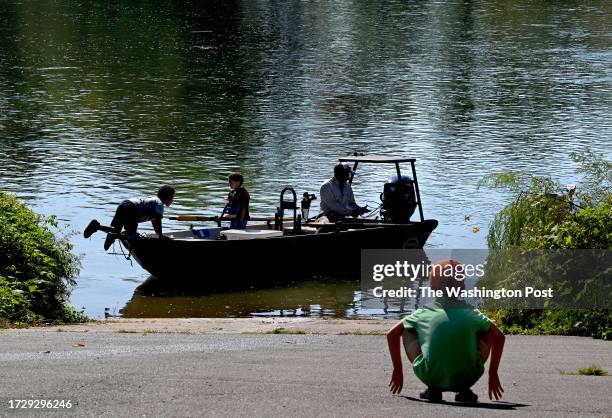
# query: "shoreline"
{"type": "Point", "coordinates": [227, 326]}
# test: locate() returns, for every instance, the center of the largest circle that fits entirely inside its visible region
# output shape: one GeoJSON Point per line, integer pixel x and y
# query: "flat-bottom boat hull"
{"type": "Point", "coordinates": [229, 264]}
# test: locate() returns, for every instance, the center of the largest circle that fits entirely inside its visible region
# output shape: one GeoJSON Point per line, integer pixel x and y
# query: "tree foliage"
{"type": "Point", "coordinates": [546, 215]}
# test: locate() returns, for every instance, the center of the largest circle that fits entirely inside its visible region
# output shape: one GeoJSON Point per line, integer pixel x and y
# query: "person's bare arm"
{"type": "Point", "coordinates": [157, 226]}
{"type": "Point", "coordinates": [242, 215]}
{"type": "Point", "coordinates": [495, 339]}
{"type": "Point", "coordinates": [394, 339]}
{"type": "Point", "coordinates": [356, 209]}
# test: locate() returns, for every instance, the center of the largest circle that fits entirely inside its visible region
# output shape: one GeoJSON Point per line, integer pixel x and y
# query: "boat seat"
{"type": "Point", "coordinates": [306, 229]}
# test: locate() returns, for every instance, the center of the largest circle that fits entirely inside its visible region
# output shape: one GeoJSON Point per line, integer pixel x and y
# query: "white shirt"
{"type": "Point", "coordinates": [341, 202]}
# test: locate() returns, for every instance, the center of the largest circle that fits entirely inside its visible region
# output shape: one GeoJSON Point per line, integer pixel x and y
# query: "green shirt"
{"type": "Point", "coordinates": [447, 331]}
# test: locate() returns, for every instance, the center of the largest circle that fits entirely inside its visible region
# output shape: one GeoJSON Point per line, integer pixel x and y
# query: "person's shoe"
{"type": "Point", "coordinates": [91, 228]}
{"type": "Point", "coordinates": [431, 395]}
{"type": "Point", "coordinates": [466, 396]}
{"type": "Point", "coordinates": [110, 239]}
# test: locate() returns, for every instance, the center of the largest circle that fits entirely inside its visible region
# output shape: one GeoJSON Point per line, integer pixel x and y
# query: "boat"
{"type": "Point", "coordinates": [282, 249]}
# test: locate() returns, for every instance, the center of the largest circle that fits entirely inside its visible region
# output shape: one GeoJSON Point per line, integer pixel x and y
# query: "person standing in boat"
{"type": "Point", "coordinates": [133, 211]}
{"type": "Point", "coordinates": [237, 207]}
{"type": "Point", "coordinates": [337, 199]}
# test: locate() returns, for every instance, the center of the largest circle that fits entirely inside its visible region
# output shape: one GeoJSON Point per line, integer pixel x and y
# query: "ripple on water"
{"type": "Point", "coordinates": [186, 95]}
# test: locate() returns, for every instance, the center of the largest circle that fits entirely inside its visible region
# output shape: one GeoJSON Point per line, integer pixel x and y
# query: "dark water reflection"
{"type": "Point", "coordinates": [324, 297]}
{"type": "Point", "coordinates": [316, 297]}
{"type": "Point", "coordinates": [104, 101]}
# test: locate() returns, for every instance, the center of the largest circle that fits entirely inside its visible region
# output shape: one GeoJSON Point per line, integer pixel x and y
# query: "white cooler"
{"type": "Point", "coordinates": [233, 234]}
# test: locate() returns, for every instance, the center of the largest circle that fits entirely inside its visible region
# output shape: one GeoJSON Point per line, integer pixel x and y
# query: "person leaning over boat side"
{"type": "Point", "coordinates": [237, 207]}
{"type": "Point", "coordinates": [133, 211]}
{"type": "Point", "coordinates": [337, 199]}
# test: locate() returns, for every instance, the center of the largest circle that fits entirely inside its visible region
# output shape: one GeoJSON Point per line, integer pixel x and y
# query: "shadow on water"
{"type": "Point", "coordinates": [328, 297]}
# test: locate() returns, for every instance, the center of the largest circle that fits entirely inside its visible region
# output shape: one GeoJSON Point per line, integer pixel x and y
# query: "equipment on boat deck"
{"type": "Point", "coordinates": [234, 234]}
{"type": "Point", "coordinates": [305, 205]}
{"type": "Point", "coordinates": [288, 204]}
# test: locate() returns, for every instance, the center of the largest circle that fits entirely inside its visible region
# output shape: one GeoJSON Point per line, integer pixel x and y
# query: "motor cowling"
{"type": "Point", "coordinates": [398, 199]}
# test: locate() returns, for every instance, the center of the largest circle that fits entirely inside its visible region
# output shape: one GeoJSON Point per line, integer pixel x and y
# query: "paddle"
{"type": "Point", "coordinates": [200, 218]}
{"type": "Point", "coordinates": [356, 224]}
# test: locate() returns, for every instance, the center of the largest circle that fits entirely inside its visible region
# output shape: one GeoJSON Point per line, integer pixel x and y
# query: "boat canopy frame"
{"type": "Point", "coordinates": [386, 159]}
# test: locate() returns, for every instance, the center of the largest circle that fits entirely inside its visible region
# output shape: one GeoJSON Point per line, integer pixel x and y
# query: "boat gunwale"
{"type": "Point", "coordinates": [333, 229]}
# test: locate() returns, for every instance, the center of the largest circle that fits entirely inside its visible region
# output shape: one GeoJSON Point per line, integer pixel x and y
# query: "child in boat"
{"type": "Point", "coordinates": [133, 211]}
{"type": "Point", "coordinates": [447, 342]}
{"type": "Point", "coordinates": [237, 208]}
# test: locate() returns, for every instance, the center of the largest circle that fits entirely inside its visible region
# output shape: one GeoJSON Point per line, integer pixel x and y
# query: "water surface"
{"type": "Point", "coordinates": [104, 101]}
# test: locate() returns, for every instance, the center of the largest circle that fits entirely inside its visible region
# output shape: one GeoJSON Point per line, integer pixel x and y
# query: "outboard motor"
{"type": "Point", "coordinates": [398, 200]}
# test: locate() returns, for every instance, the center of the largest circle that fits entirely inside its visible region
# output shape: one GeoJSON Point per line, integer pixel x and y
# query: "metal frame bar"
{"type": "Point", "coordinates": [399, 176]}
{"type": "Point", "coordinates": [353, 173]}
{"type": "Point", "coordinates": [416, 187]}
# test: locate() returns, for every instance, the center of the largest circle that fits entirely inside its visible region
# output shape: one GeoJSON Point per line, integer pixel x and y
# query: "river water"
{"type": "Point", "coordinates": [102, 101]}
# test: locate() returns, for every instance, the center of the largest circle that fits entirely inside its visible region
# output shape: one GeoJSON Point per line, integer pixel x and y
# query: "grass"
{"type": "Point", "coordinates": [148, 331]}
{"type": "Point", "coordinates": [6, 324]}
{"type": "Point", "coordinates": [286, 331]}
{"type": "Point", "coordinates": [592, 370]}
{"type": "Point", "coordinates": [359, 332]}
{"type": "Point", "coordinates": [15, 325]}
{"type": "Point", "coordinates": [283, 331]}
{"type": "Point", "coordinates": [302, 332]}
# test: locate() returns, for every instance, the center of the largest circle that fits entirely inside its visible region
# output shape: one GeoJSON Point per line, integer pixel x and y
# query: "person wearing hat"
{"type": "Point", "coordinates": [337, 199]}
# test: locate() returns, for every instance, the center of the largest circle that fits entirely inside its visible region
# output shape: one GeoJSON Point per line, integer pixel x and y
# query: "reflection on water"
{"type": "Point", "coordinates": [322, 297]}
{"type": "Point", "coordinates": [102, 101]}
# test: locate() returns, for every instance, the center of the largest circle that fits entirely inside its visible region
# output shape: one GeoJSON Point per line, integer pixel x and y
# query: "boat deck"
{"type": "Point", "coordinates": [214, 233]}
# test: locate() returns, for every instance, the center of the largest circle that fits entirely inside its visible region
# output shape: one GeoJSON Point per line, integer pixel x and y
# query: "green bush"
{"type": "Point", "coordinates": [37, 270]}
{"type": "Point", "coordinates": [596, 323]}
{"type": "Point", "coordinates": [544, 215]}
